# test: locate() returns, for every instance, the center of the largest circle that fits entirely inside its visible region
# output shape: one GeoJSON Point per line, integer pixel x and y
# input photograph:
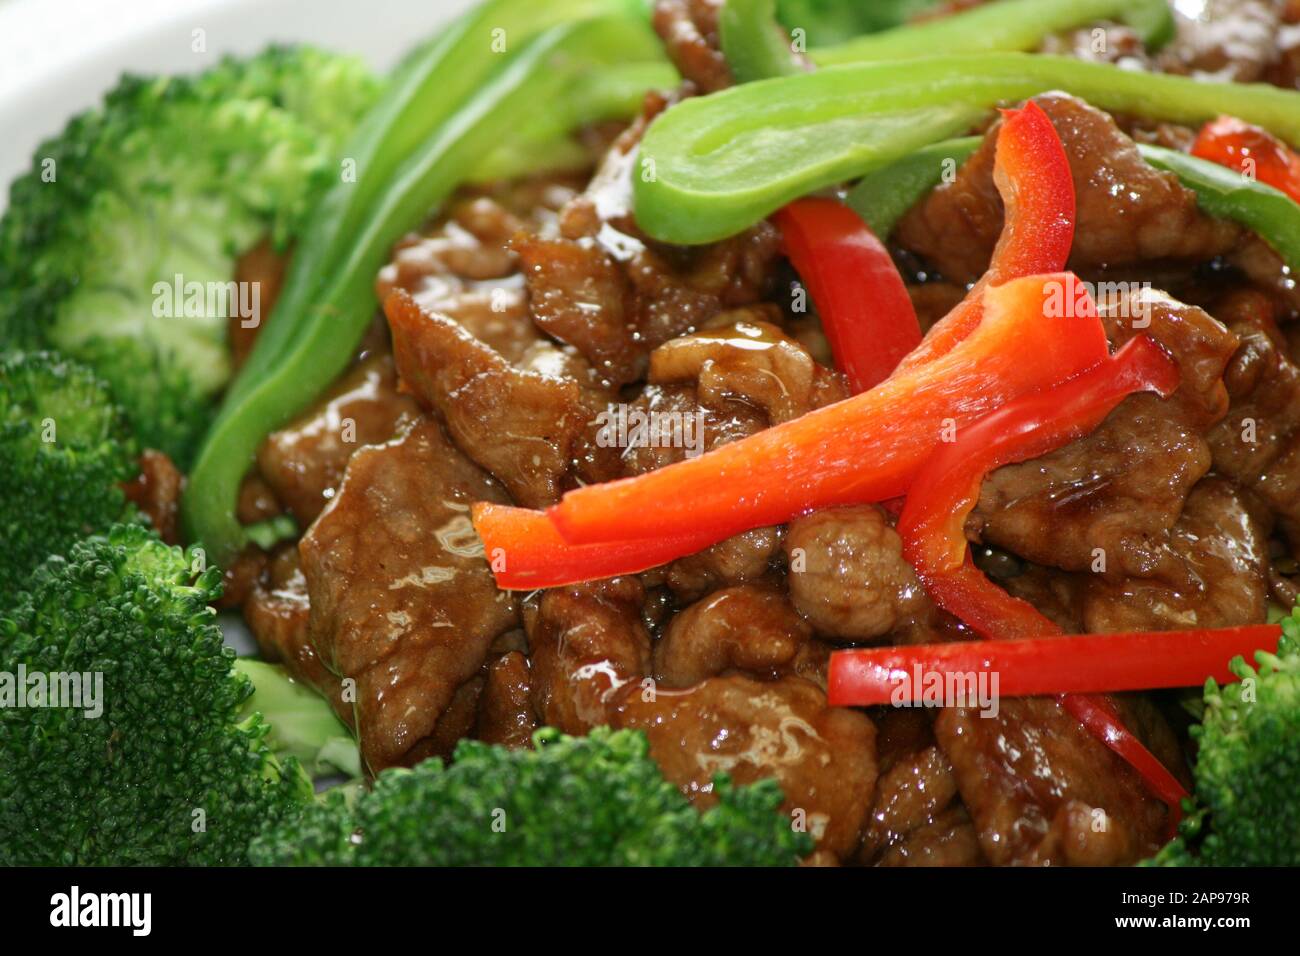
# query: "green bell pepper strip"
{"type": "Point", "coordinates": [547, 144]}
{"type": "Point", "coordinates": [712, 166]}
{"type": "Point", "coordinates": [1005, 25]}
{"type": "Point", "coordinates": [755, 44]}
{"type": "Point", "coordinates": [883, 195]}
{"type": "Point", "coordinates": [834, 21]}
{"type": "Point", "coordinates": [424, 91]}
{"type": "Point", "coordinates": [1269, 213]}
{"type": "Point", "coordinates": [342, 305]}
{"type": "Point", "coordinates": [267, 534]}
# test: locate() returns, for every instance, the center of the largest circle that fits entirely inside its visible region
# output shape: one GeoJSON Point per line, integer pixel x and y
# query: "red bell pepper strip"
{"type": "Point", "coordinates": [932, 520]}
{"type": "Point", "coordinates": [865, 448]}
{"type": "Point", "coordinates": [863, 304]}
{"type": "Point", "coordinates": [1032, 174]}
{"type": "Point", "coordinates": [1238, 145]}
{"type": "Point", "coordinates": [1076, 666]}
{"type": "Point", "coordinates": [937, 505]}
{"type": "Point", "coordinates": [1099, 717]}
{"type": "Point", "coordinates": [945, 492]}
{"type": "Point", "coordinates": [1083, 663]}
{"type": "Point", "coordinates": [526, 552]}
{"type": "Point", "coordinates": [968, 594]}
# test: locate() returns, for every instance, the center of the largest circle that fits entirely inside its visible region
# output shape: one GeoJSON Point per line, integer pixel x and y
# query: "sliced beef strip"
{"type": "Point", "coordinates": [240, 575]}
{"type": "Point", "coordinates": [747, 358]}
{"type": "Point", "coordinates": [505, 713]}
{"type": "Point", "coordinates": [1219, 548]}
{"type": "Point", "coordinates": [464, 273]}
{"type": "Point", "coordinates": [812, 662]}
{"type": "Point", "coordinates": [278, 612]}
{"type": "Point", "coordinates": [689, 29]}
{"type": "Point", "coordinates": [744, 557]}
{"type": "Point", "coordinates": [463, 267]}
{"type": "Point", "coordinates": [1258, 444]}
{"type": "Point", "coordinates": [1116, 44]}
{"type": "Point", "coordinates": [587, 644]}
{"type": "Point", "coordinates": [576, 288]}
{"type": "Point", "coordinates": [156, 491]}
{"type": "Point", "coordinates": [1041, 790]}
{"type": "Point", "coordinates": [747, 374]}
{"type": "Point", "coordinates": [1058, 595]}
{"type": "Point", "coordinates": [580, 295]}
{"type": "Point", "coordinates": [743, 628]}
{"type": "Point", "coordinates": [521, 425]}
{"type": "Point", "coordinates": [727, 420]}
{"type": "Point", "coordinates": [604, 288]}
{"type": "Point", "coordinates": [847, 574]}
{"type": "Point", "coordinates": [1231, 40]}
{"type": "Point", "coordinates": [949, 839]}
{"type": "Point", "coordinates": [901, 733]}
{"type": "Point", "coordinates": [910, 794]}
{"type": "Point", "coordinates": [615, 313]}
{"type": "Point", "coordinates": [262, 268]}
{"type": "Point", "coordinates": [1259, 263]}
{"type": "Point", "coordinates": [1198, 342]}
{"type": "Point", "coordinates": [823, 757]}
{"type": "Point", "coordinates": [257, 502]}
{"type": "Point", "coordinates": [1105, 503]}
{"type": "Point", "coordinates": [455, 723]}
{"type": "Point", "coordinates": [1286, 71]}
{"type": "Point", "coordinates": [304, 462]}
{"type": "Point", "coordinates": [677, 290]}
{"type": "Point", "coordinates": [916, 816]}
{"type": "Point", "coordinates": [403, 605]}
{"type": "Point", "coordinates": [1127, 211]}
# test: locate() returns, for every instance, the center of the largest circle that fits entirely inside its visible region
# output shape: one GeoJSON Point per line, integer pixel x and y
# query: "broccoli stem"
{"type": "Point", "coordinates": [302, 723]}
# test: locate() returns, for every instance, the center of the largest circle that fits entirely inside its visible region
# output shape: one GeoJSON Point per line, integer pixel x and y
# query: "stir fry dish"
{"type": "Point", "coordinates": [703, 432]}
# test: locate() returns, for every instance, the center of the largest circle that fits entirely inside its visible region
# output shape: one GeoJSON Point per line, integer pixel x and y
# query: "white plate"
{"type": "Point", "coordinates": [58, 57]}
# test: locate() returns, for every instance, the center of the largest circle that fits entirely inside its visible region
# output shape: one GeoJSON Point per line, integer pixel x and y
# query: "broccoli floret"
{"type": "Point", "coordinates": [1246, 809]}
{"type": "Point", "coordinates": [153, 763]}
{"type": "Point", "coordinates": [572, 801]}
{"type": "Point", "coordinates": [172, 176]}
{"type": "Point", "coordinates": [64, 450]}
